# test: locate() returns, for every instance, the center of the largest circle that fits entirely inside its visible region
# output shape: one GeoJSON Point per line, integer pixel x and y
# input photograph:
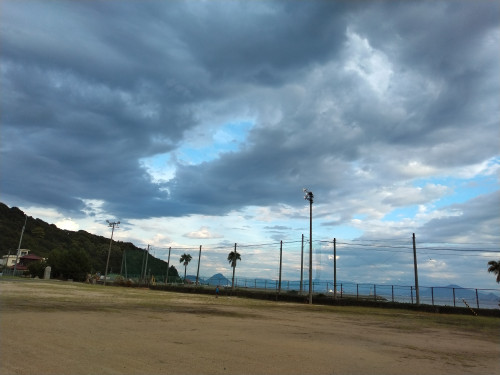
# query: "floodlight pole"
{"type": "Point", "coordinates": [310, 197]}
{"type": "Point", "coordinates": [112, 225]}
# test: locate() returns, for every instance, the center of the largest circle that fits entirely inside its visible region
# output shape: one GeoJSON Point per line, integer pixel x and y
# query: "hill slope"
{"type": "Point", "coordinates": [41, 238]}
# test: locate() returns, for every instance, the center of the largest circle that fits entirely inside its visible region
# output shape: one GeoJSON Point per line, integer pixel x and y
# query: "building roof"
{"type": "Point", "coordinates": [31, 257]}
{"type": "Point", "coordinates": [19, 267]}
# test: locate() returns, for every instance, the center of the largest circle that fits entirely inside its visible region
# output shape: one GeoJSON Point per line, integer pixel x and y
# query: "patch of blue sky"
{"type": "Point", "coordinates": [401, 213]}
{"type": "Point", "coordinates": [159, 167]}
{"type": "Point", "coordinates": [228, 138]}
{"type": "Point", "coordinates": [462, 190]}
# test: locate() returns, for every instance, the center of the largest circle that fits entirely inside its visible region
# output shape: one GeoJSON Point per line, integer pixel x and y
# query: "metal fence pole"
{"type": "Point", "coordinates": [454, 304]}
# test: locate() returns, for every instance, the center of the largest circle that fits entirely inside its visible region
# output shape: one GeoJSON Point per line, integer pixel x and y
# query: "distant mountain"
{"type": "Point", "coordinates": [460, 292]}
{"type": "Point", "coordinates": [192, 278]}
{"type": "Point", "coordinates": [218, 279]}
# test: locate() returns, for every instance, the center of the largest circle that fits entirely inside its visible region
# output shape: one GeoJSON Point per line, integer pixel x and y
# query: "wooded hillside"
{"type": "Point", "coordinates": [41, 238]}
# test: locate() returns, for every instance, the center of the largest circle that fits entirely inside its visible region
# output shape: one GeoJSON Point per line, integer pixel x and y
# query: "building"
{"type": "Point", "coordinates": [10, 260]}
{"type": "Point", "coordinates": [26, 260]}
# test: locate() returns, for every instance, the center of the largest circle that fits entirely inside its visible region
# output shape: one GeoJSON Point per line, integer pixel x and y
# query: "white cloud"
{"type": "Point", "coordinates": [370, 64]}
{"type": "Point", "coordinates": [203, 233]}
{"type": "Point", "coordinates": [68, 224]}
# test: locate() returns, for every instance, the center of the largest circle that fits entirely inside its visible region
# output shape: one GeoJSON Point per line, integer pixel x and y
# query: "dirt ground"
{"type": "Point", "coordinates": [70, 328]}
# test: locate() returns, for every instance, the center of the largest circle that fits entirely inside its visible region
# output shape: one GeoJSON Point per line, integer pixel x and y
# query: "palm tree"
{"type": "Point", "coordinates": [494, 267]}
{"type": "Point", "coordinates": [232, 258]}
{"type": "Point", "coordinates": [185, 259]}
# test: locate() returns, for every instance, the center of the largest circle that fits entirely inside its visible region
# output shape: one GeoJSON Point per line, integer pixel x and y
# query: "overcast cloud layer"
{"type": "Point", "coordinates": [202, 113]}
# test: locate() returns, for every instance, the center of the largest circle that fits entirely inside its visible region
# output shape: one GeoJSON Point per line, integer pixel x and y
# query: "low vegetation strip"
{"type": "Point", "coordinates": [321, 299]}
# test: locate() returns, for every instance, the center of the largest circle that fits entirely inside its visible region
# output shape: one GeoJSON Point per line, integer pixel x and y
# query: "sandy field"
{"type": "Point", "coordinates": [50, 327]}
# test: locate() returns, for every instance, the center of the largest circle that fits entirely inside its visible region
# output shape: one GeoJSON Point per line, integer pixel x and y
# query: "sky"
{"type": "Point", "coordinates": [199, 123]}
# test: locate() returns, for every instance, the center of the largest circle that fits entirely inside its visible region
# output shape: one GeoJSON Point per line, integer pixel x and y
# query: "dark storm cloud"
{"type": "Point", "coordinates": [474, 219]}
{"type": "Point", "coordinates": [91, 88]}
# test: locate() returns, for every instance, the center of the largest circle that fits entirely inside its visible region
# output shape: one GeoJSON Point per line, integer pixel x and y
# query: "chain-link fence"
{"type": "Point", "coordinates": [443, 296]}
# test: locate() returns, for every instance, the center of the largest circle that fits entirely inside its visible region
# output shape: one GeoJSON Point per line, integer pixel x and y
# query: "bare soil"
{"type": "Point", "coordinates": [49, 327]}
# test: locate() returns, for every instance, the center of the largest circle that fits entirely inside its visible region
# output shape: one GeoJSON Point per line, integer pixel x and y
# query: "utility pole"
{"type": "Point", "coordinates": [146, 265]}
{"type": "Point", "coordinates": [301, 264]}
{"type": "Point", "coordinates": [19, 246]}
{"type": "Point", "coordinates": [168, 265]}
{"type": "Point", "coordinates": [281, 258]}
{"type": "Point", "coordinates": [416, 271]}
{"type": "Point", "coordinates": [142, 267]}
{"type": "Point", "coordinates": [334, 268]}
{"type": "Point", "coordinates": [112, 225]}
{"type": "Point", "coordinates": [198, 272]}
{"type": "Point", "coordinates": [310, 197]}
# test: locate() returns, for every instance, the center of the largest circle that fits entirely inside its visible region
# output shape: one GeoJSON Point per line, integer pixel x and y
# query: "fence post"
{"type": "Point", "coordinates": [341, 290]}
{"type": "Point", "coordinates": [432, 295]}
{"type": "Point", "coordinates": [411, 291]}
{"type": "Point", "coordinates": [392, 292]}
{"type": "Point", "coordinates": [454, 304]}
{"type": "Point", "coordinates": [265, 284]}
{"type": "Point", "coordinates": [375, 291]}
{"type": "Point", "coordinates": [477, 300]}
{"type": "Point", "coordinates": [357, 292]}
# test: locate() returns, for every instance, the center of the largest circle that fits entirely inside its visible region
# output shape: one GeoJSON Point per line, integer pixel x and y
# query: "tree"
{"type": "Point", "coordinates": [494, 267]}
{"type": "Point", "coordinates": [232, 258]}
{"type": "Point", "coordinates": [38, 232]}
{"type": "Point", "coordinates": [69, 264]}
{"type": "Point", "coordinates": [185, 259]}
{"type": "Point", "coordinates": [37, 269]}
